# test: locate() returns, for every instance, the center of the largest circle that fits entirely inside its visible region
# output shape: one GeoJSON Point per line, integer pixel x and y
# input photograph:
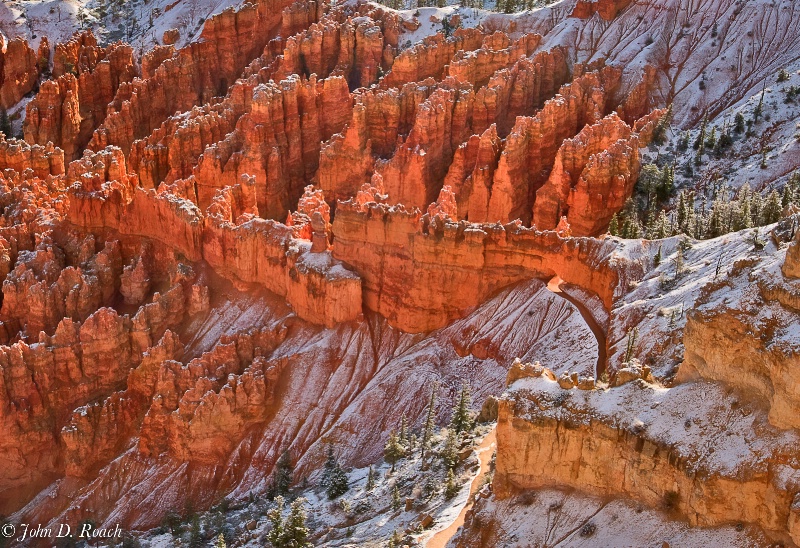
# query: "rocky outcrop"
{"type": "Point", "coordinates": [430, 57]}
{"type": "Point", "coordinates": [20, 156]}
{"type": "Point", "coordinates": [196, 73]}
{"type": "Point", "coordinates": [727, 346]}
{"type": "Point", "coordinates": [278, 142]}
{"type": "Point", "coordinates": [606, 9]}
{"type": "Point", "coordinates": [19, 69]}
{"type": "Point", "coordinates": [791, 265]}
{"type": "Point", "coordinates": [68, 109]}
{"type": "Point", "coordinates": [603, 443]}
{"type": "Point", "coordinates": [592, 177]}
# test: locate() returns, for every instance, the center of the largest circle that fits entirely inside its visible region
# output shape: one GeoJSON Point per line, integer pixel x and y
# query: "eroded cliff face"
{"type": "Point", "coordinates": [68, 109]}
{"type": "Point", "coordinates": [19, 69]}
{"type": "Point", "coordinates": [217, 253]}
{"type": "Point", "coordinates": [595, 442]}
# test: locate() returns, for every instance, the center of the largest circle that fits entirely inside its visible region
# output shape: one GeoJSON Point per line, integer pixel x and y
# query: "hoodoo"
{"type": "Point", "coordinates": [306, 273]}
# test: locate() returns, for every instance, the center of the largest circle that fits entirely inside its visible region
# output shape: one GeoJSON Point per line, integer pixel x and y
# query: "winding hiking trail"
{"type": "Point", "coordinates": [485, 451]}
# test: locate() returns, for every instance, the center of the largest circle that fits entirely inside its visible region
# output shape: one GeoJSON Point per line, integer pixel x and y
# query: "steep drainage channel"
{"type": "Point", "coordinates": [554, 285]}
{"type": "Point", "coordinates": [484, 451]}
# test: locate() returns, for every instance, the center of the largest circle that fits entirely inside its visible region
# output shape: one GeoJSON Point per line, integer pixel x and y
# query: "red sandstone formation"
{"type": "Point", "coordinates": [196, 73]}
{"type": "Point", "coordinates": [592, 177]}
{"type": "Point", "coordinates": [19, 156]}
{"type": "Point", "coordinates": [68, 109]}
{"type": "Point", "coordinates": [19, 69]}
{"type": "Point", "coordinates": [383, 164]}
{"type": "Point", "coordinates": [607, 9]}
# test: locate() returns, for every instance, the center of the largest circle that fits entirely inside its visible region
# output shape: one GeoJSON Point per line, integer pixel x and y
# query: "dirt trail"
{"type": "Point", "coordinates": [484, 450]}
{"type": "Point", "coordinates": [554, 286]}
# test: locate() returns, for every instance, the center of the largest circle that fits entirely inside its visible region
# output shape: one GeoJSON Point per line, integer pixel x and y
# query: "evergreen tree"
{"type": "Point", "coordinates": [760, 108]}
{"type": "Point", "coordinates": [700, 142]}
{"type": "Point", "coordinates": [338, 484]}
{"type": "Point", "coordinates": [451, 487]}
{"type": "Point", "coordinates": [370, 479]}
{"type": "Point", "coordinates": [393, 451]}
{"type": "Point", "coordinates": [295, 529]}
{"type": "Point", "coordinates": [657, 258]}
{"type": "Point", "coordinates": [683, 143]}
{"type": "Point", "coordinates": [660, 133]}
{"type": "Point", "coordinates": [738, 126]}
{"type": "Point", "coordinates": [678, 262]}
{"type": "Point", "coordinates": [220, 543]}
{"type": "Point", "coordinates": [5, 124]}
{"type": "Point", "coordinates": [772, 208]}
{"type": "Point", "coordinates": [787, 196]}
{"type": "Point", "coordinates": [291, 532]}
{"type": "Point", "coordinates": [711, 142]}
{"type": "Point", "coordinates": [613, 225]}
{"type": "Point", "coordinates": [461, 420]}
{"type": "Point", "coordinates": [666, 184]}
{"type": "Point", "coordinates": [395, 498]}
{"type": "Point", "coordinates": [275, 517]}
{"type": "Point", "coordinates": [427, 432]}
{"type": "Point", "coordinates": [450, 451]}
{"type": "Point", "coordinates": [283, 476]}
{"type": "Point", "coordinates": [404, 430]}
{"type": "Point", "coordinates": [328, 468]}
{"type": "Point", "coordinates": [744, 218]}
{"type": "Point", "coordinates": [649, 180]}
{"type": "Point", "coordinates": [195, 539]}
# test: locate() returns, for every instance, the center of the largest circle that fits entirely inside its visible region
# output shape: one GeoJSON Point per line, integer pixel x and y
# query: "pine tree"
{"type": "Point", "coordinates": [395, 498]}
{"type": "Point", "coordinates": [738, 127]}
{"type": "Point", "coordinates": [712, 138]}
{"type": "Point", "coordinates": [328, 468]}
{"type": "Point", "coordinates": [370, 479]}
{"type": "Point", "coordinates": [632, 335]}
{"type": "Point", "coordinates": [678, 262]}
{"type": "Point", "coordinates": [295, 530]}
{"type": "Point", "coordinates": [393, 451]}
{"type": "Point", "coordinates": [220, 543]}
{"type": "Point", "coordinates": [772, 208]}
{"type": "Point", "coordinates": [451, 487]}
{"type": "Point", "coordinates": [660, 132]}
{"type": "Point", "coordinates": [683, 143]}
{"type": "Point", "coordinates": [275, 517]}
{"type": "Point", "coordinates": [283, 476]}
{"type": "Point", "coordinates": [700, 142]}
{"type": "Point", "coordinates": [427, 432]}
{"type": "Point", "coordinates": [760, 108]}
{"type": "Point", "coordinates": [744, 218]}
{"type": "Point", "coordinates": [450, 451]}
{"type": "Point", "coordinates": [666, 184]}
{"type": "Point", "coordinates": [5, 124]}
{"type": "Point", "coordinates": [657, 258]}
{"type": "Point", "coordinates": [338, 484]}
{"type": "Point", "coordinates": [787, 196]}
{"type": "Point", "coordinates": [195, 538]}
{"type": "Point", "coordinates": [461, 420]}
{"type": "Point", "coordinates": [404, 430]}
{"type": "Point", "coordinates": [613, 225]}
